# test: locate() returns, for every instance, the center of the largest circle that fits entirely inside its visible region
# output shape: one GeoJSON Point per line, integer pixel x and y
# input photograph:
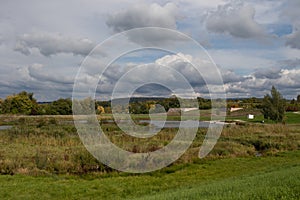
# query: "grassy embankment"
{"type": "Point", "coordinates": [275, 177]}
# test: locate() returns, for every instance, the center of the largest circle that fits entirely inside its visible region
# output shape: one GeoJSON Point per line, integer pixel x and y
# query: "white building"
{"type": "Point", "coordinates": [250, 116]}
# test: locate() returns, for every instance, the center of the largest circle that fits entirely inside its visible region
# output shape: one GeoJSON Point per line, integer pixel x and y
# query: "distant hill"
{"type": "Point", "coordinates": [136, 99]}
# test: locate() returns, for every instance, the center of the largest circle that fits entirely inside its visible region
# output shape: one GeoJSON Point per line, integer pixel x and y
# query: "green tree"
{"type": "Point", "coordinates": [84, 106]}
{"type": "Point", "coordinates": [204, 103]}
{"type": "Point", "coordinates": [298, 98]}
{"type": "Point", "coordinates": [22, 103]}
{"type": "Point", "coordinates": [61, 107]}
{"type": "Point", "coordinates": [293, 101]}
{"type": "Point", "coordinates": [274, 106]}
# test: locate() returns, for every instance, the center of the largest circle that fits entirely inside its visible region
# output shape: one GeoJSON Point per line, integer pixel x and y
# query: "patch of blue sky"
{"type": "Point", "coordinates": [221, 41]}
{"type": "Point", "coordinates": [280, 29]}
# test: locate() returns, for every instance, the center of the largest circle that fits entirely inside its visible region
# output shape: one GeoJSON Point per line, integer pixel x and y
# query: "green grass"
{"type": "Point", "coordinates": [48, 161]}
{"type": "Point", "coordinates": [279, 184]}
{"type": "Point", "coordinates": [292, 118]}
{"type": "Point", "coordinates": [275, 177]}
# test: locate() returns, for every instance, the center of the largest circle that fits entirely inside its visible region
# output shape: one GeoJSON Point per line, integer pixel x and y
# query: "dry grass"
{"type": "Point", "coordinates": [39, 145]}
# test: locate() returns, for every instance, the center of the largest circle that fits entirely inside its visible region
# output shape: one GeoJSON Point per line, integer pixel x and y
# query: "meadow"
{"type": "Point", "coordinates": [43, 157]}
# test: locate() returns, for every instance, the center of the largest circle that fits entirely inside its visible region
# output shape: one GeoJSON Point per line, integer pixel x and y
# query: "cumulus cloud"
{"type": "Point", "coordinates": [38, 78]}
{"type": "Point", "coordinates": [179, 69]}
{"type": "Point", "coordinates": [53, 43]}
{"type": "Point", "coordinates": [293, 39]}
{"type": "Point", "coordinates": [292, 63]}
{"type": "Point", "coordinates": [290, 10]}
{"type": "Point", "coordinates": [165, 71]}
{"type": "Point", "coordinates": [259, 83]}
{"type": "Point", "coordinates": [143, 15]}
{"type": "Point", "coordinates": [155, 37]}
{"type": "Point", "coordinates": [254, 84]}
{"type": "Point", "coordinates": [236, 20]}
{"type": "Point", "coordinates": [230, 76]}
{"type": "Point", "coordinates": [291, 13]}
{"type": "Point", "coordinates": [270, 73]}
{"type": "Point", "coordinates": [230, 21]}
{"type": "Point", "coordinates": [38, 72]}
{"type": "Point", "coordinates": [43, 88]}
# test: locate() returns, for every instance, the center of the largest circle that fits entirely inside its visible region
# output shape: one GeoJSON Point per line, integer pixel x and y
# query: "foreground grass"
{"type": "Point", "coordinates": [274, 177]}
{"type": "Point", "coordinates": [279, 184]}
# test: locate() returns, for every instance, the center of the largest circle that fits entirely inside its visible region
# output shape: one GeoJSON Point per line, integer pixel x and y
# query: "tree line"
{"type": "Point", "coordinates": [272, 106]}
{"type": "Point", "coordinates": [24, 103]}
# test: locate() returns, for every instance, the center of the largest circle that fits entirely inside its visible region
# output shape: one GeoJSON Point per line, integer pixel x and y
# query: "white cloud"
{"type": "Point", "coordinates": [143, 15]}
{"type": "Point", "coordinates": [147, 15]}
{"type": "Point", "coordinates": [290, 12]}
{"type": "Point", "coordinates": [40, 73]}
{"type": "Point", "coordinates": [236, 20]}
{"type": "Point", "coordinates": [260, 83]}
{"type": "Point", "coordinates": [293, 39]}
{"type": "Point", "coordinates": [256, 83]}
{"type": "Point", "coordinates": [246, 65]}
{"type": "Point", "coordinates": [53, 43]}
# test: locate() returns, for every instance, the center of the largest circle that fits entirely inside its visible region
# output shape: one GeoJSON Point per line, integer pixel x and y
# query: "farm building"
{"type": "Point", "coordinates": [250, 116]}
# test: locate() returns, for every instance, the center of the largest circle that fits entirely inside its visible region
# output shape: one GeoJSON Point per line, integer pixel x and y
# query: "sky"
{"type": "Point", "coordinates": [255, 44]}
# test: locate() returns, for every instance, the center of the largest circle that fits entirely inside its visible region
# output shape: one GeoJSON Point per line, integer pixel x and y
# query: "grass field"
{"type": "Point", "coordinates": [275, 177]}
{"type": "Point", "coordinates": [42, 157]}
{"type": "Point", "coordinates": [290, 117]}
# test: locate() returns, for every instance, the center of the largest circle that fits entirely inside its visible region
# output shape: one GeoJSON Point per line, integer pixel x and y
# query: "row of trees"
{"type": "Point", "coordinates": [143, 107]}
{"type": "Point", "coordinates": [273, 105]}
{"type": "Point", "coordinates": [24, 103]}
{"type": "Point", "coordinates": [293, 105]}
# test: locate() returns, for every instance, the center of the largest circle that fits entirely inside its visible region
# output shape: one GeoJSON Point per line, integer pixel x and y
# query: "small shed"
{"type": "Point", "coordinates": [250, 116]}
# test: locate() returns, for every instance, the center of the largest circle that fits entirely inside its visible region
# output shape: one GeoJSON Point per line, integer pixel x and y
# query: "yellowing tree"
{"type": "Point", "coordinates": [100, 109]}
{"type": "Point", "coordinates": [22, 103]}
